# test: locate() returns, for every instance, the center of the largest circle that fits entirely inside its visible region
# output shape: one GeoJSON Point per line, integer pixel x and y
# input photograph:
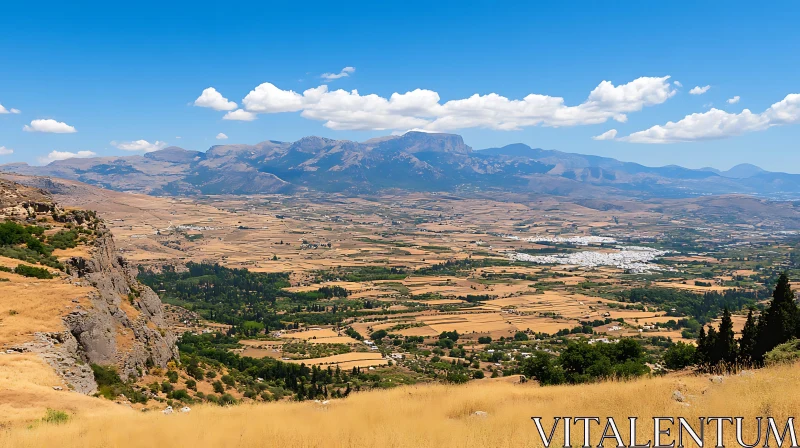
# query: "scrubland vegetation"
{"type": "Point", "coordinates": [31, 243]}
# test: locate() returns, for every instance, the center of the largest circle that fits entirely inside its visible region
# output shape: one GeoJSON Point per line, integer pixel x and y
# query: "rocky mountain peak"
{"type": "Point", "coordinates": [313, 144]}
{"type": "Point", "coordinates": [413, 142]}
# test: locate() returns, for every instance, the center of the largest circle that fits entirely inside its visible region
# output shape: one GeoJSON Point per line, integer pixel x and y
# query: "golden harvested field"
{"type": "Point", "coordinates": [260, 344]}
{"type": "Point", "coordinates": [311, 334]}
{"type": "Point", "coordinates": [262, 352]}
{"type": "Point", "coordinates": [692, 287]}
{"type": "Point", "coordinates": [490, 322]}
{"type": "Point", "coordinates": [433, 416]}
{"type": "Point", "coordinates": [334, 340]}
{"type": "Point", "coordinates": [349, 286]}
{"type": "Point", "coordinates": [319, 336]}
{"type": "Point", "coordinates": [346, 360]}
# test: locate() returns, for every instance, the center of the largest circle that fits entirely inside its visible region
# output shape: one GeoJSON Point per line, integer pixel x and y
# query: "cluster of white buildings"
{"type": "Point", "coordinates": [576, 240]}
{"type": "Point", "coordinates": [635, 259]}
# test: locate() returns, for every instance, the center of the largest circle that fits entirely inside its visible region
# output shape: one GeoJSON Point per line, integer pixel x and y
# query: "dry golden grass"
{"type": "Point", "coordinates": [311, 334]}
{"type": "Point", "coordinates": [26, 391]}
{"type": "Point", "coordinates": [433, 416]}
{"type": "Point", "coordinates": [28, 305]}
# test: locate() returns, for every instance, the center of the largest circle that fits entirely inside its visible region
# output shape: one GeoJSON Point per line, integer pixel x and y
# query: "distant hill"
{"type": "Point", "coordinates": [743, 170]}
{"type": "Point", "coordinates": [740, 171]}
{"type": "Point", "coordinates": [414, 161]}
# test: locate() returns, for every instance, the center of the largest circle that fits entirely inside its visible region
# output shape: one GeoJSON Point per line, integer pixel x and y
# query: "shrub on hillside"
{"type": "Point", "coordinates": [30, 271]}
{"type": "Point", "coordinates": [110, 385]}
{"type": "Point", "coordinates": [785, 353]}
{"type": "Point", "coordinates": [64, 239]}
{"type": "Point", "coordinates": [55, 417]}
{"type": "Point", "coordinates": [679, 356]}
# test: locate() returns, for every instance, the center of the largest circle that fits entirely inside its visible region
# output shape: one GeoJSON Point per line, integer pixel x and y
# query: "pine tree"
{"type": "Point", "coordinates": [725, 345]}
{"type": "Point", "coordinates": [747, 343]}
{"type": "Point", "coordinates": [780, 321]}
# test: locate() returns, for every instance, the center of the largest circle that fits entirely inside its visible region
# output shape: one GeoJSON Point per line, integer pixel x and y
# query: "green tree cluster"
{"type": "Point", "coordinates": [582, 362]}
{"type": "Point", "coordinates": [777, 324]}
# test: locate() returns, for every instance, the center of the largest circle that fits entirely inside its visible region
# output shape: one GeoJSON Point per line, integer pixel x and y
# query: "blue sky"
{"type": "Point", "coordinates": [120, 74]}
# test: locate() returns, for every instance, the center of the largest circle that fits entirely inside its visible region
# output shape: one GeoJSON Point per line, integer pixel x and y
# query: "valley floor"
{"type": "Point", "coordinates": [436, 415]}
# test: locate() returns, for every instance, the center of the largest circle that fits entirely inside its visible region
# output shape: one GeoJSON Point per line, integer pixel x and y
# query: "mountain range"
{"type": "Point", "coordinates": [413, 161]}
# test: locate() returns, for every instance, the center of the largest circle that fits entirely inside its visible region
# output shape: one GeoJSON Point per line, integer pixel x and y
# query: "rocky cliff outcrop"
{"type": "Point", "coordinates": [125, 325]}
{"type": "Point", "coordinates": [119, 323]}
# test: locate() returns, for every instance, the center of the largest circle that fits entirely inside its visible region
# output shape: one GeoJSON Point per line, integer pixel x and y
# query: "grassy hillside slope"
{"type": "Point", "coordinates": [432, 415]}
{"type": "Point", "coordinates": [26, 392]}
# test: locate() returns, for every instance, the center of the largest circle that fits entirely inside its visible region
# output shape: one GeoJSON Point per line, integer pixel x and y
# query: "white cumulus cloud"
{"type": "Point", "coordinates": [3, 110]}
{"type": "Point", "coordinates": [140, 145]}
{"type": "Point", "coordinates": [678, 83]}
{"type": "Point", "coordinates": [717, 124]}
{"type": "Point", "coordinates": [5, 151]}
{"type": "Point", "coordinates": [212, 99]}
{"type": "Point", "coordinates": [266, 98]}
{"type": "Point", "coordinates": [49, 126]}
{"type": "Point", "coordinates": [345, 72]}
{"type": "Point", "coordinates": [64, 155]}
{"type": "Point", "coordinates": [734, 100]}
{"type": "Point", "coordinates": [222, 136]}
{"type": "Point", "coordinates": [608, 135]}
{"type": "Point", "coordinates": [239, 115]}
{"type": "Point", "coordinates": [697, 90]}
{"type": "Point", "coordinates": [420, 108]}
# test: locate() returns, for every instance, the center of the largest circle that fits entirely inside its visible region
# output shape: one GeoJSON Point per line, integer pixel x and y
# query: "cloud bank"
{"type": "Point", "coordinates": [718, 124]}
{"type": "Point", "coordinates": [140, 145]}
{"type": "Point", "coordinates": [3, 110]}
{"type": "Point", "coordinates": [64, 155]}
{"type": "Point", "coordinates": [422, 109]}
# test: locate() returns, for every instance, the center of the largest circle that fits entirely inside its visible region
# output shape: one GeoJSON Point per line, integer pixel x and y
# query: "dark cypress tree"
{"type": "Point", "coordinates": [712, 355]}
{"type": "Point", "coordinates": [747, 343]}
{"type": "Point", "coordinates": [780, 321]}
{"type": "Point", "coordinates": [702, 347]}
{"type": "Point", "coordinates": [725, 344]}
